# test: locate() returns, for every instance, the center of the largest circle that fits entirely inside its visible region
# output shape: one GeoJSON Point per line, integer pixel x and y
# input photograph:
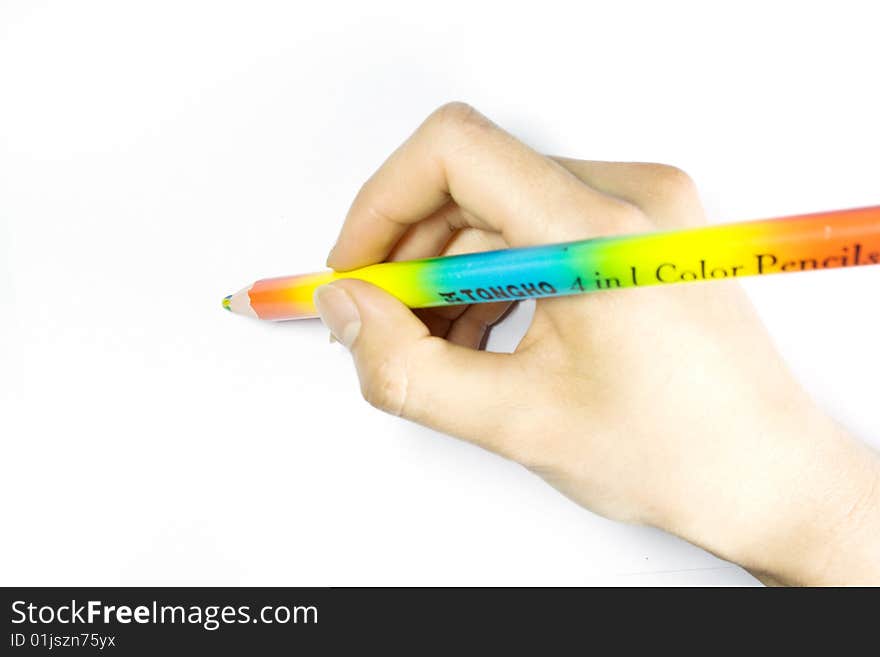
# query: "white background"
{"type": "Point", "coordinates": [155, 156]}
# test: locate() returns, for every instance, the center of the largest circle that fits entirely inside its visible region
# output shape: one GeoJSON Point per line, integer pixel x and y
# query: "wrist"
{"type": "Point", "coordinates": [828, 533]}
{"type": "Point", "coordinates": [845, 551]}
{"type": "Point", "coordinates": [802, 507]}
{"type": "Point", "coordinates": [853, 557]}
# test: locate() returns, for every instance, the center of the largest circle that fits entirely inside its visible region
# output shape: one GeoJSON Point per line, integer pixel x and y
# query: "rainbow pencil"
{"type": "Point", "coordinates": [825, 240]}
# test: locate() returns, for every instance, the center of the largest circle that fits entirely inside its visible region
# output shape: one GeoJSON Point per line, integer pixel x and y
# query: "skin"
{"type": "Point", "coordinates": [667, 407]}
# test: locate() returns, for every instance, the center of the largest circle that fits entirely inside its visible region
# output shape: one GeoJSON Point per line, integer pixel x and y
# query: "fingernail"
{"type": "Point", "coordinates": [333, 338]}
{"type": "Point", "coordinates": [339, 313]}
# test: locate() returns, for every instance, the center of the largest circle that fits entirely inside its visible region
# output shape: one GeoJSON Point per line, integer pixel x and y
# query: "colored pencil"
{"type": "Point", "coordinates": [812, 242]}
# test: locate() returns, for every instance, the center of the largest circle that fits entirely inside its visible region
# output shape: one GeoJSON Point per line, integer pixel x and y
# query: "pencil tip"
{"type": "Point", "coordinates": [240, 303]}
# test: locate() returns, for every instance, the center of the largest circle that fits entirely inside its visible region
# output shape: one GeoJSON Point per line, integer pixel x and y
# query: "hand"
{"type": "Point", "coordinates": [664, 406]}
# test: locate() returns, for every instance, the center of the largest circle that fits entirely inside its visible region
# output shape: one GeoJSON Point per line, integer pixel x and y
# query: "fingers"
{"type": "Point", "coordinates": [406, 372]}
{"type": "Point", "coordinates": [463, 325]}
{"type": "Point", "coordinates": [665, 193]}
{"type": "Point", "coordinates": [472, 328]}
{"type": "Point", "coordinates": [499, 183]}
{"type": "Point", "coordinates": [438, 323]}
{"type": "Point", "coordinates": [433, 237]}
{"type": "Point", "coordinates": [467, 326]}
{"type": "Point", "coordinates": [429, 237]}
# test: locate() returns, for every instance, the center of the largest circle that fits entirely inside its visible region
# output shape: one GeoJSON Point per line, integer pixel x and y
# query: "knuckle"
{"type": "Point", "coordinates": [373, 203]}
{"type": "Point", "coordinates": [670, 181]}
{"type": "Point", "coordinates": [378, 215]}
{"type": "Point", "coordinates": [458, 116]}
{"type": "Point", "coordinates": [672, 195]}
{"type": "Point", "coordinates": [385, 386]}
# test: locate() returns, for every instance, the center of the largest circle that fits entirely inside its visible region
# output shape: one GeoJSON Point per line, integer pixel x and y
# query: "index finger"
{"type": "Point", "coordinates": [499, 183]}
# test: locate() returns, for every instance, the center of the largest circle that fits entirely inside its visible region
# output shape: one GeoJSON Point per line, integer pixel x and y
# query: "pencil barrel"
{"type": "Point", "coordinates": [804, 243]}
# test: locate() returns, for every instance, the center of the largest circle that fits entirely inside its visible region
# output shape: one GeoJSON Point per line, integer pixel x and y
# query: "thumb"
{"type": "Point", "coordinates": [405, 371]}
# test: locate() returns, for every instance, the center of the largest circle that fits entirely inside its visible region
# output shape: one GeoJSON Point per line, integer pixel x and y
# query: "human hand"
{"type": "Point", "coordinates": [664, 406]}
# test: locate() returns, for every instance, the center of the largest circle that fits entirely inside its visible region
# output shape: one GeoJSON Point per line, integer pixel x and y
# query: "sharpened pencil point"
{"type": "Point", "coordinates": [240, 303]}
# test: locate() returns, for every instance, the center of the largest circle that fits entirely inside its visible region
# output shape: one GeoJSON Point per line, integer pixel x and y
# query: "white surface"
{"type": "Point", "coordinates": [156, 156]}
